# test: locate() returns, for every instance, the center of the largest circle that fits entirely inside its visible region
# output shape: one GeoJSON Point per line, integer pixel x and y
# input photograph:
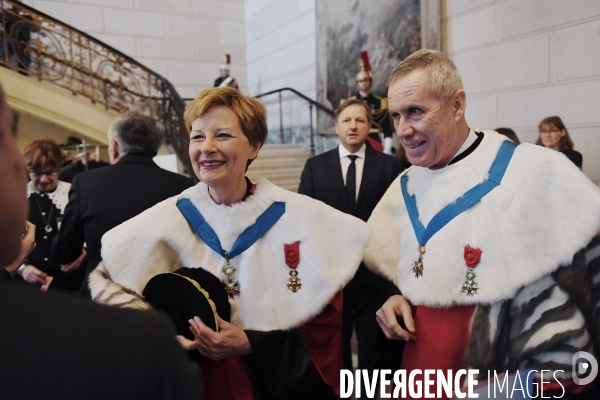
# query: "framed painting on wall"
{"type": "Point", "coordinates": [389, 30]}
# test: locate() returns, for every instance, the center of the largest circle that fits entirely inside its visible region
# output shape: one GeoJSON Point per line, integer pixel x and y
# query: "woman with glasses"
{"type": "Point", "coordinates": [555, 136]}
{"type": "Point", "coordinates": [47, 200]}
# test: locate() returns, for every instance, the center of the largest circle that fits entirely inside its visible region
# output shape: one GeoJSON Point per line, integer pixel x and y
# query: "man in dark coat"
{"type": "Point", "coordinates": [352, 178]}
{"type": "Point", "coordinates": [57, 347]}
{"type": "Point", "coordinates": [103, 198]}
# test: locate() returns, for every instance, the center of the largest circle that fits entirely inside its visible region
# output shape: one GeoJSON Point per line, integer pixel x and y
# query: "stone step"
{"type": "Point", "coordinates": [282, 164]}
{"type": "Point", "coordinates": [282, 149]}
{"type": "Point", "coordinates": [279, 162]}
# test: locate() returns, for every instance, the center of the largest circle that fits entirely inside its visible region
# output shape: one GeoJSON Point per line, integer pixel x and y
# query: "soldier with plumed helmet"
{"type": "Point", "coordinates": [382, 125]}
{"type": "Point", "coordinates": [224, 78]}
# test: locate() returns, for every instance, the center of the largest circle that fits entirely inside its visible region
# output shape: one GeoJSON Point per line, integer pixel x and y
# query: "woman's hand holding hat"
{"type": "Point", "coordinates": [228, 341]}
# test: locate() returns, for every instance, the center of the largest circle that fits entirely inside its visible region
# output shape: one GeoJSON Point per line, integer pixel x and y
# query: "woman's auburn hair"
{"type": "Point", "coordinates": [42, 154]}
{"type": "Point", "coordinates": [565, 143]}
{"type": "Point", "coordinates": [251, 114]}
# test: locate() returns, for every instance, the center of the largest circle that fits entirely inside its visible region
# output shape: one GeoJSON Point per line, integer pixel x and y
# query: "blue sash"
{"type": "Point", "coordinates": [472, 196]}
{"type": "Point", "coordinates": [247, 238]}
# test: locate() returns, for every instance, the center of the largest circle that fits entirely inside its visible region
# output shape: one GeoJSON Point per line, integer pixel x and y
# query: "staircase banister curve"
{"type": "Point", "coordinates": [64, 56]}
{"type": "Point", "coordinates": [73, 29]}
{"type": "Point", "coordinates": [320, 106]}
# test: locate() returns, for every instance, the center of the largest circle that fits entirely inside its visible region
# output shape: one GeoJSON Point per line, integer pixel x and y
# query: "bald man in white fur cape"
{"type": "Point", "coordinates": [494, 279]}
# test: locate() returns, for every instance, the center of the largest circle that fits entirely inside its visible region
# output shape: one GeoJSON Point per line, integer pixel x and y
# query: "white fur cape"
{"type": "Point", "coordinates": [543, 212]}
{"type": "Point", "coordinates": [160, 240]}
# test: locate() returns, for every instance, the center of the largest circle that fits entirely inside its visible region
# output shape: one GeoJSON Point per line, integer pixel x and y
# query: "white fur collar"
{"type": "Point", "coordinates": [331, 247]}
{"type": "Point", "coordinates": [543, 212]}
{"type": "Point", "coordinates": [60, 197]}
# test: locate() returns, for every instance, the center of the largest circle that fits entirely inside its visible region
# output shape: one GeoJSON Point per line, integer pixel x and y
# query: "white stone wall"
{"type": "Point", "coordinates": [183, 40]}
{"type": "Point", "coordinates": [281, 52]}
{"type": "Point", "coordinates": [523, 60]}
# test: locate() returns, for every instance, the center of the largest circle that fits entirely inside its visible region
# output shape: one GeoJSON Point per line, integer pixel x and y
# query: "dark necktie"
{"type": "Point", "coordinates": [351, 184]}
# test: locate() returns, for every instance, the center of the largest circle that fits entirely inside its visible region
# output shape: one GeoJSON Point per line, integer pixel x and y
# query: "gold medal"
{"type": "Point", "coordinates": [231, 287]}
{"type": "Point", "coordinates": [419, 267]}
{"type": "Point", "coordinates": [470, 286]}
{"type": "Point", "coordinates": [294, 283]}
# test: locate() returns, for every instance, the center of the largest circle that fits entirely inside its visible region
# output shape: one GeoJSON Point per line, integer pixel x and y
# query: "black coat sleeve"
{"type": "Point", "coordinates": [281, 367]}
{"type": "Point", "coordinates": [5, 275]}
{"type": "Point", "coordinates": [68, 243]}
{"type": "Point", "coordinates": [306, 180]}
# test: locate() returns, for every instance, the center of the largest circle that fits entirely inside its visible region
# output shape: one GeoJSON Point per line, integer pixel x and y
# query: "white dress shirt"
{"type": "Point", "coordinates": [360, 164]}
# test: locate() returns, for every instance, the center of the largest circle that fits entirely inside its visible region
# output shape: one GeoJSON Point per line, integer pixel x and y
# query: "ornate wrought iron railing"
{"type": "Point", "coordinates": [43, 48]}
{"type": "Point", "coordinates": [311, 103]}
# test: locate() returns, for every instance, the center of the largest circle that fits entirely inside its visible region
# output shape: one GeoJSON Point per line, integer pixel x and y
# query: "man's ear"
{"type": "Point", "coordinates": [113, 151]}
{"type": "Point", "coordinates": [459, 104]}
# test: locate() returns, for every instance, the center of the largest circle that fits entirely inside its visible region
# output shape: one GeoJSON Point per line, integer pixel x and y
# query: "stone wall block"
{"type": "Point", "coordinates": [184, 7]}
{"type": "Point", "coordinates": [193, 28]}
{"type": "Point", "coordinates": [575, 103]}
{"type": "Point", "coordinates": [286, 60]}
{"type": "Point", "coordinates": [520, 17]}
{"type": "Point", "coordinates": [302, 26]}
{"type": "Point", "coordinates": [471, 30]}
{"type": "Point", "coordinates": [462, 6]}
{"type": "Point", "coordinates": [107, 3]}
{"type": "Point", "coordinates": [171, 49]}
{"type": "Point", "coordinates": [272, 17]}
{"type": "Point", "coordinates": [512, 64]}
{"type": "Point", "coordinates": [88, 19]}
{"type": "Point", "coordinates": [215, 52]}
{"type": "Point", "coordinates": [155, 64]}
{"type": "Point", "coordinates": [192, 73]}
{"type": "Point", "coordinates": [233, 32]}
{"type": "Point", "coordinates": [218, 9]}
{"type": "Point", "coordinates": [587, 142]}
{"type": "Point", "coordinates": [134, 22]}
{"type": "Point", "coordinates": [482, 112]}
{"type": "Point", "coordinates": [253, 7]}
{"type": "Point", "coordinates": [577, 52]}
{"type": "Point", "coordinates": [125, 44]}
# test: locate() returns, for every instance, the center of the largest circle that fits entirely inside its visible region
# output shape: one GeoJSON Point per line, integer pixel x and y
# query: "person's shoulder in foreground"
{"type": "Point", "coordinates": [57, 347]}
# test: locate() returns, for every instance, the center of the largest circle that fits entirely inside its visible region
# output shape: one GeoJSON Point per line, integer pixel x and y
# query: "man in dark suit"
{"type": "Point", "coordinates": [58, 347]}
{"type": "Point", "coordinates": [352, 178]}
{"type": "Point", "coordinates": [103, 198]}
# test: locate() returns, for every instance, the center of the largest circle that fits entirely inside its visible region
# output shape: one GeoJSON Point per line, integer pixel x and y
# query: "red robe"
{"type": "Point", "coordinates": [322, 336]}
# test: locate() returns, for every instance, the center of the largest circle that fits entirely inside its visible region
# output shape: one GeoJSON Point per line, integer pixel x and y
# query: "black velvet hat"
{"type": "Point", "coordinates": [188, 293]}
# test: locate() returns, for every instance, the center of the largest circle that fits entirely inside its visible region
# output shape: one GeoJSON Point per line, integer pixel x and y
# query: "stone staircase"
{"type": "Point", "coordinates": [282, 164]}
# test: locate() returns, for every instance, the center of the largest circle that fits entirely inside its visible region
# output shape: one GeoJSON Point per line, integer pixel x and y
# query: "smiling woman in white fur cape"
{"type": "Point", "coordinates": [283, 276]}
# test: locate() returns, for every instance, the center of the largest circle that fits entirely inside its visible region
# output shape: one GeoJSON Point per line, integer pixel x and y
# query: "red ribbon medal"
{"type": "Point", "coordinates": [292, 258]}
{"type": "Point", "coordinates": [472, 257]}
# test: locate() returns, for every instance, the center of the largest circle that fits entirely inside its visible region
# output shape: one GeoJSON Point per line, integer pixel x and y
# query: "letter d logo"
{"type": "Point", "coordinates": [591, 366]}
